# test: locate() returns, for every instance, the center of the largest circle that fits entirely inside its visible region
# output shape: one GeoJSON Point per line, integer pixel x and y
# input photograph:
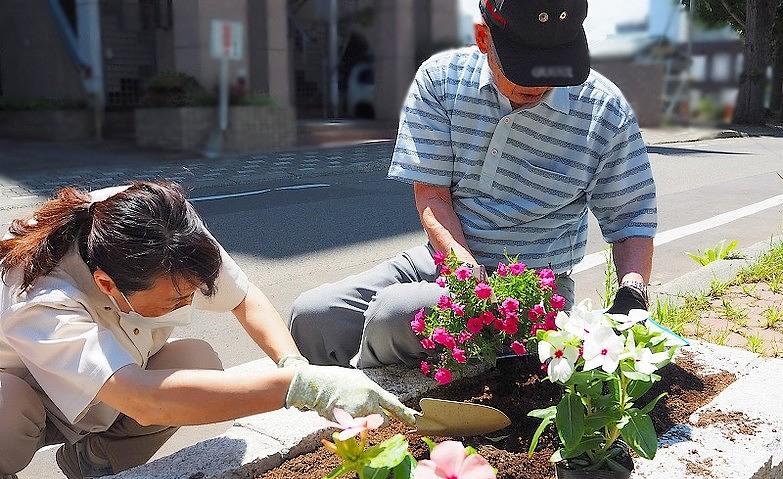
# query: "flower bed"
{"type": "Point", "coordinates": [516, 387]}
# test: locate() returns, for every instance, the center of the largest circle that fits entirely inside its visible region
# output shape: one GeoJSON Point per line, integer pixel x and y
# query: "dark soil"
{"type": "Point", "coordinates": [515, 388]}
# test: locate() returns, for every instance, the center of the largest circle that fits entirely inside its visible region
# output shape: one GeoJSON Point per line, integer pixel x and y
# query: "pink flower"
{"type": "Point", "coordinates": [444, 270]}
{"type": "Point", "coordinates": [443, 376]}
{"type": "Point", "coordinates": [511, 326]}
{"type": "Point", "coordinates": [518, 268]}
{"type": "Point", "coordinates": [518, 348]}
{"type": "Point", "coordinates": [427, 343]}
{"type": "Point", "coordinates": [510, 305]}
{"type": "Point", "coordinates": [502, 270]}
{"type": "Point", "coordinates": [449, 460]}
{"type": "Point", "coordinates": [535, 312]}
{"type": "Point", "coordinates": [536, 327]}
{"type": "Point", "coordinates": [483, 291]}
{"type": "Point", "coordinates": [549, 321]}
{"type": "Point", "coordinates": [488, 318]}
{"type": "Point", "coordinates": [439, 257]}
{"type": "Point", "coordinates": [444, 302]}
{"type": "Point", "coordinates": [418, 325]}
{"type": "Point", "coordinates": [442, 337]}
{"type": "Point", "coordinates": [441, 281]}
{"type": "Point", "coordinates": [425, 368]}
{"type": "Point", "coordinates": [463, 273]}
{"type": "Point", "coordinates": [351, 426]}
{"type": "Point", "coordinates": [557, 302]}
{"type": "Point", "coordinates": [546, 278]}
{"type": "Point", "coordinates": [464, 337]}
{"type": "Point", "coordinates": [458, 309]}
{"type": "Point", "coordinates": [475, 325]}
{"type": "Point", "coordinates": [459, 355]}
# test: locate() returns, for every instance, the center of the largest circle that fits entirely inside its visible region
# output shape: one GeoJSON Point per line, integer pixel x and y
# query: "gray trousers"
{"type": "Point", "coordinates": [364, 320]}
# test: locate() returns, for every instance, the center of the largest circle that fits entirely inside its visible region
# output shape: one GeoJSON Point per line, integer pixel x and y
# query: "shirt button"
{"type": "Point", "coordinates": [494, 151]}
{"type": "Point", "coordinates": [136, 331]}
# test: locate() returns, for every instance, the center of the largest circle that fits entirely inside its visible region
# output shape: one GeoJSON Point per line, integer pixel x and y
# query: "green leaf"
{"type": "Point", "coordinates": [636, 389]}
{"type": "Point", "coordinates": [543, 413]}
{"type": "Point", "coordinates": [632, 374]}
{"type": "Point", "coordinates": [640, 434]}
{"type": "Point", "coordinates": [537, 435]}
{"type": "Point", "coordinates": [429, 442]}
{"type": "Point", "coordinates": [649, 407]}
{"type": "Point", "coordinates": [373, 473]}
{"type": "Point", "coordinates": [404, 470]}
{"type": "Point", "coordinates": [570, 420]}
{"type": "Point", "coordinates": [583, 447]}
{"type": "Point", "coordinates": [337, 472]}
{"type": "Point", "coordinates": [392, 452]}
{"type": "Point", "coordinates": [598, 421]}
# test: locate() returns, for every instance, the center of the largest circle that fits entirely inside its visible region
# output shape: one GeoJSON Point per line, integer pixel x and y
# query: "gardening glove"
{"type": "Point", "coordinates": [323, 388]}
{"type": "Point", "coordinates": [628, 298]}
{"type": "Point", "coordinates": [292, 361]}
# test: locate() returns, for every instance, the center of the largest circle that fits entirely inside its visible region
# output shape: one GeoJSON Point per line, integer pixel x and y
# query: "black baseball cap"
{"type": "Point", "coordinates": [540, 42]}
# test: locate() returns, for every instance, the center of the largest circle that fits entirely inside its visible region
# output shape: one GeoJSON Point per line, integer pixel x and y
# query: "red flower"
{"type": "Point", "coordinates": [488, 318]}
{"type": "Point", "coordinates": [475, 325]}
{"type": "Point", "coordinates": [464, 337]}
{"type": "Point", "coordinates": [459, 355]}
{"type": "Point", "coordinates": [483, 291]}
{"type": "Point", "coordinates": [519, 348]}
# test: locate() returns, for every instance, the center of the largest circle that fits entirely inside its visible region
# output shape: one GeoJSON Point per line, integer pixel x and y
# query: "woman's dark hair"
{"type": "Point", "coordinates": [136, 236]}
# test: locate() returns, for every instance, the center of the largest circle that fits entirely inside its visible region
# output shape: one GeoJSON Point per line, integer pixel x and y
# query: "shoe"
{"type": "Point", "coordinates": [74, 463]}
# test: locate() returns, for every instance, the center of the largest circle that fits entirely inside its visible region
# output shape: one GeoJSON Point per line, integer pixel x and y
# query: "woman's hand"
{"type": "Point", "coordinates": [323, 388]}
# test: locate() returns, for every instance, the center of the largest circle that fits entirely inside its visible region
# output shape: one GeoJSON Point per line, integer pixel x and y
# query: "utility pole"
{"type": "Point", "coordinates": [334, 91]}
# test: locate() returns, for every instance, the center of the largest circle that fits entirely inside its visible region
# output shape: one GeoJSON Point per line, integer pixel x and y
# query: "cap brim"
{"type": "Point", "coordinates": [525, 65]}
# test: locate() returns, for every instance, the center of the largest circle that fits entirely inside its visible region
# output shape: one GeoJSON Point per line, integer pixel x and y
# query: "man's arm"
{"type": "Point", "coordinates": [439, 220]}
{"type": "Point", "coordinates": [633, 259]}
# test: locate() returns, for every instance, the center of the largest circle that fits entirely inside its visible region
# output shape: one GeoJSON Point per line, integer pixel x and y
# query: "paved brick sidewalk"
{"type": "Point", "coordinates": [23, 188]}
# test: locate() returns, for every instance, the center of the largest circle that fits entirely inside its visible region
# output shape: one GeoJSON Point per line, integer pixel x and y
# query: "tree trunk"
{"type": "Point", "coordinates": [776, 102]}
{"type": "Point", "coordinates": [750, 102]}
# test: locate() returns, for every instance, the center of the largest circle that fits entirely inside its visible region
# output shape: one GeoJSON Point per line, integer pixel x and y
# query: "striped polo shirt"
{"type": "Point", "coordinates": [522, 180]}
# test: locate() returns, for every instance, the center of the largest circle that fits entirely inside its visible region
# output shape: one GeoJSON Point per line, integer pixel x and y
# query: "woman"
{"type": "Point", "coordinates": [92, 288]}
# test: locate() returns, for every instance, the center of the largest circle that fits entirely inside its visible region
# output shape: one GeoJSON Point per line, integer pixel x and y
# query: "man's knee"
{"type": "Point", "coordinates": [393, 307]}
{"type": "Point", "coordinates": [308, 310]}
{"type": "Point", "coordinates": [22, 422]}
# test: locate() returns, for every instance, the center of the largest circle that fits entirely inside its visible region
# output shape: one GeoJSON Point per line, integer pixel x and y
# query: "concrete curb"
{"type": "Point", "coordinates": [698, 282]}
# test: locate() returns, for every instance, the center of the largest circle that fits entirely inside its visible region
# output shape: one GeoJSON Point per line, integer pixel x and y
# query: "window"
{"type": "Point", "coordinates": [699, 68]}
{"type": "Point", "coordinates": [721, 67]}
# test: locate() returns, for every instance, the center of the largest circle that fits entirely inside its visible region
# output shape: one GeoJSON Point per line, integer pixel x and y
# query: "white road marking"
{"type": "Point", "coordinates": [597, 259]}
{"type": "Point", "coordinates": [28, 197]}
{"type": "Point", "coordinates": [258, 192]}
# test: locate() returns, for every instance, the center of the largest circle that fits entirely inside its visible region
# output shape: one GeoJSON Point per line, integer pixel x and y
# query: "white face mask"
{"type": "Point", "coordinates": [179, 317]}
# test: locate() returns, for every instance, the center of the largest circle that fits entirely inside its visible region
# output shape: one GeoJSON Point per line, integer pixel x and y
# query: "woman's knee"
{"type": "Point", "coordinates": [22, 422]}
{"type": "Point", "coordinates": [186, 354]}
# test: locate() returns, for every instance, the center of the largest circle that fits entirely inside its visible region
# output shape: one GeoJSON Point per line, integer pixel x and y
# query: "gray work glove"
{"type": "Point", "coordinates": [324, 388]}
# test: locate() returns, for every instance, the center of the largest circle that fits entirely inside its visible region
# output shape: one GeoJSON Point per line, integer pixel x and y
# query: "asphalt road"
{"type": "Point", "coordinates": [290, 240]}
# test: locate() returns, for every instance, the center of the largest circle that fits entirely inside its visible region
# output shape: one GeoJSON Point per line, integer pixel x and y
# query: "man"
{"type": "Point", "coordinates": [498, 167]}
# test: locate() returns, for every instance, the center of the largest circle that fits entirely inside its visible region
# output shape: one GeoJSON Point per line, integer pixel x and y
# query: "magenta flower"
{"type": "Point", "coordinates": [475, 325]}
{"type": "Point", "coordinates": [418, 325]}
{"type": "Point", "coordinates": [444, 302]}
{"type": "Point", "coordinates": [549, 321]}
{"type": "Point", "coordinates": [518, 268]}
{"type": "Point", "coordinates": [442, 337]}
{"type": "Point", "coordinates": [458, 309]}
{"type": "Point", "coordinates": [425, 368]}
{"type": "Point", "coordinates": [510, 305]}
{"type": "Point", "coordinates": [511, 326]}
{"type": "Point", "coordinates": [463, 273]}
{"type": "Point", "coordinates": [441, 281]}
{"type": "Point", "coordinates": [535, 312]}
{"type": "Point", "coordinates": [464, 337]}
{"type": "Point", "coordinates": [439, 258]}
{"type": "Point", "coordinates": [518, 348]}
{"type": "Point", "coordinates": [351, 427]}
{"type": "Point", "coordinates": [459, 355]}
{"type": "Point", "coordinates": [502, 270]}
{"type": "Point", "coordinates": [483, 291]}
{"type": "Point", "coordinates": [546, 278]}
{"type": "Point", "coordinates": [427, 343]}
{"type": "Point", "coordinates": [557, 302]}
{"type": "Point", "coordinates": [444, 270]}
{"type": "Point", "coordinates": [443, 376]}
{"type": "Point", "coordinates": [536, 327]}
{"type": "Point", "coordinates": [488, 318]}
{"type": "Point", "coordinates": [449, 460]}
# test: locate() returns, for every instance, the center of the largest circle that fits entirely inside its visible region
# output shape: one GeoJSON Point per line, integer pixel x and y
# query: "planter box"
{"type": "Point", "coordinates": [52, 125]}
{"type": "Point", "coordinates": [250, 128]}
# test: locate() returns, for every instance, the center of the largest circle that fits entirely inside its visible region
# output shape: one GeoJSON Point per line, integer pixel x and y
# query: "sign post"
{"type": "Point", "coordinates": [226, 45]}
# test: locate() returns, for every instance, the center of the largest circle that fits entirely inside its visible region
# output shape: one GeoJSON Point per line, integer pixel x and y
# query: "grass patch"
{"type": "Point", "coordinates": [772, 317]}
{"type": "Point", "coordinates": [768, 269]}
{"type": "Point", "coordinates": [735, 315]}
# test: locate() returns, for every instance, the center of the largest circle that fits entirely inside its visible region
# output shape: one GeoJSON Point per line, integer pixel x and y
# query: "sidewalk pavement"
{"type": "Point", "coordinates": [30, 170]}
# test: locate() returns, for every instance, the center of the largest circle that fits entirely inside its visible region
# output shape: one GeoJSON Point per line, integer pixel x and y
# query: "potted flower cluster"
{"type": "Point", "coordinates": [391, 458]}
{"type": "Point", "coordinates": [605, 363]}
{"type": "Point", "coordinates": [476, 318]}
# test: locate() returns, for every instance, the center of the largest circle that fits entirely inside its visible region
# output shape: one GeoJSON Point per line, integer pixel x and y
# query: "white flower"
{"type": "Point", "coordinates": [582, 319]}
{"type": "Point", "coordinates": [561, 355]}
{"type": "Point", "coordinates": [627, 321]}
{"type": "Point", "coordinates": [645, 361]}
{"type": "Point", "coordinates": [602, 349]}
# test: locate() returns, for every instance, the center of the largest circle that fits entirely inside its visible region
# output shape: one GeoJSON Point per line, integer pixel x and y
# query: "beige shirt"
{"type": "Point", "coordinates": [66, 336]}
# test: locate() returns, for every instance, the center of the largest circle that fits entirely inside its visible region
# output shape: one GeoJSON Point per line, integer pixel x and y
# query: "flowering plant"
{"type": "Point", "coordinates": [606, 363]}
{"type": "Point", "coordinates": [475, 319]}
{"type": "Point", "coordinates": [391, 458]}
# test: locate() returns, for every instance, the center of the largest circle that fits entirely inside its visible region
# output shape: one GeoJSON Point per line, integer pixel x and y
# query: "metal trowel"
{"type": "Point", "coordinates": [456, 419]}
